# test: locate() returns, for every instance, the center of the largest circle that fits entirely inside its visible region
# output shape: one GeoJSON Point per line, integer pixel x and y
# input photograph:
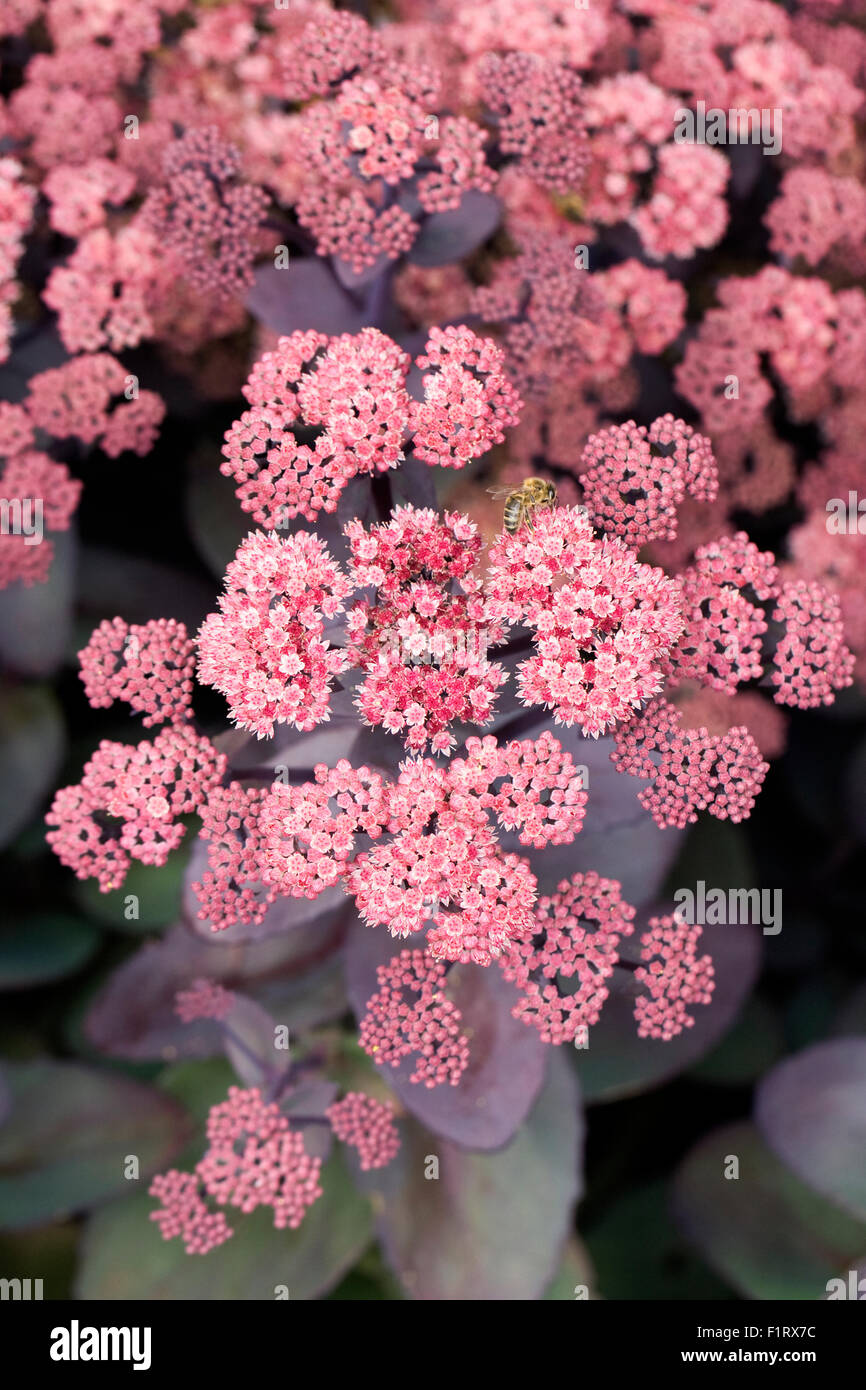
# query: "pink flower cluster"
{"type": "Point", "coordinates": [540, 108]}
{"type": "Point", "coordinates": [149, 665]}
{"type": "Point", "coordinates": [689, 770]}
{"type": "Point", "coordinates": [602, 623]}
{"type": "Point", "coordinates": [635, 477]}
{"type": "Point", "coordinates": [813, 339]}
{"type": "Point", "coordinates": [443, 863]}
{"type": "Point", "coordinates": [815, 213]}
{"type": "Point", "coordinates": [551, 311]}
{"type": "Point", "coordinates": [468, 400]}
{"type": "Point", "coordinates": [128, 804]}
{"type": "Point", "coordinates": [811, 660]}
{"type": "Point", "coordinates": [724, 596]}
{"type": "Point", "coordinates": [368, 1126]}
{"type": "Point", "coordinates": [351, 392]}
{"type": "Point", "coordinates": [104, 293]}
{"type": "Point", "coordinates": [722, 591]}
{"type": "Point", "coordinates": [17, 202]}
{"type": "Point", "coordinates": [409, 1015]}
{"type": "Point", "coordinates": [80, 194]}
{"type": "Point", "coordinates": [687, 210]}
{"type": "Point", "coordinates": [254, 1159]}
{"type": "Point", "coordinates": [575, 932]}
{"type": "Point", "coordinates": [205, 213]}
{"type": "Point", "coordinates": [203, 999]}
{"type": "Point", "coordinates": [183, 1213]}
{"type": "Point", "coordinates": [231, 889]}
{"type": "Point", "coordinates": [423, 648]}
{"type": "Point", "coordinates": [36, 493]}
{"type": "Point", "coordinates": [379, 159]}
{"type": "Point", "coordinates": [675, 976]}
{"type": "Point", "coordinates": [73, 400]}
{"type": "Point", "coordinates": [265, 650]}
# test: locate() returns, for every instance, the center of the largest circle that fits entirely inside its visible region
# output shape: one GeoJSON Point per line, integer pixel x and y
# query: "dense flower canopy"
{"type": "Point", "coordinates": [510, 424]}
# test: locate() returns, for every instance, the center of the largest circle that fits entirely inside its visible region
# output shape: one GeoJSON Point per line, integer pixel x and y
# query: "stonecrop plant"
{"type": "Point", "coordinates": [447, 738]}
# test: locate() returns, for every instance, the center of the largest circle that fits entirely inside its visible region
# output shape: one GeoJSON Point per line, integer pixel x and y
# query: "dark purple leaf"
{"type": "Point", "coordinates": [113, 584]}
{"type": "Point", "coordinates": [359, 279]}
{"type": "Point", "coordinates": [618, 1063]}
{"type": "Point", "coordinates": [304, 296]}
{"type": "Point", "coordinates": [449, 236]}
{"type": "Point", "coordinates": [133, 1014]}
{"type": "Point", "coordinates": [249, 1038]}
{"type": "Point", "coordinates": [414, 482]}
{"type": "Point", "coordinates": [748, 163]}
{"type": "Point", "coordinates": [491, 1226]}
{"type": "Point", "coordinates": [507, 1059]}
{"type": "Point", "coordinates": [213, 513]}
{"type": "Point", "coordinates": [811, 1109]}
{"type": "Point", "coordinates": [310, 1100]}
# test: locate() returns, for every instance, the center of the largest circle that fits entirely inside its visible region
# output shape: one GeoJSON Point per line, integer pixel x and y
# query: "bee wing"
{"type": "Point", "coordinates": [502, 491]}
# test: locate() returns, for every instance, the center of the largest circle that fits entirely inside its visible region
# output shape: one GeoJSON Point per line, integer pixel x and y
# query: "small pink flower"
{"type": "Point", "coordinates": [811, 660]}
{"type": "Point", "coordinates": [148, 665]}
{"type": "Point", "coordinates": [203, 999]}
{"type": "Point", "coordinates": [675, 978]}
{"type": "Point", "coordinates": [601, 622]}
{"type": "Point", "coordinates": [265, 649]}
{"type": "Point", "coordinates": [205, 214]}
{"type": "Point", "coordinates": [409, 1015]}
{"type": "Point", "coordinates": [368, 1126]}
{"type": "Point", "coordinates": [575, 932]}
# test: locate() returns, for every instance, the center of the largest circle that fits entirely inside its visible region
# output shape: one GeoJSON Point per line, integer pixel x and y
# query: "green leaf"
{"type": "Point", "coordinates": [716, 851]}
{"type": "Point", "coordinates": [765, 1231]}
{"type": "Point", "coordinates": [32, 739]}
{"type": "Point", "coordinates": [125, 1257]}
{"type": "Point", "coordinates": [48, 1253]}
{"type": "Point", "coordinates": [159, 890]}
{"type": "Point", "coordinates": [492, 1225]}
{"type": "Point", "coordinates": [39, 950]}
{"type": "Point", "coordinates": [71, 1129]}
{"type": "Point", "coordinates": [575, 1274]}
{"type": "Point", "coordinates": [638, 1253]}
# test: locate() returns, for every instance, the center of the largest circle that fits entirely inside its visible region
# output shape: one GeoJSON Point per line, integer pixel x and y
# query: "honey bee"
{"type": "Point", "coordinates": [522, 502]}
